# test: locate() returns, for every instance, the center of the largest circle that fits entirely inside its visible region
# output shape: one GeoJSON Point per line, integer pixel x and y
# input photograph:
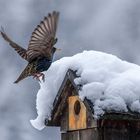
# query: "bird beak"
{"type": "Point", "coordinates": [58, 49]}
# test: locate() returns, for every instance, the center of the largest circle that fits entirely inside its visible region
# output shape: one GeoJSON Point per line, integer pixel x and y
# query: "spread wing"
{"type": "Point", "coordinates": [43, 37]}
{"type": "Point", "coordinates": [21, 51]}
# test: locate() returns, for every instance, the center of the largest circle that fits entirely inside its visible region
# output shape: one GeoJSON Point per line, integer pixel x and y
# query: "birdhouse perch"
{"type": "Point", "coordinates": [75, 117]}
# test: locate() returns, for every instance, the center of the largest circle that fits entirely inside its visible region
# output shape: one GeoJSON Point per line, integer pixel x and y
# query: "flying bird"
{"type": "Point", "coordinates": [40, 51]}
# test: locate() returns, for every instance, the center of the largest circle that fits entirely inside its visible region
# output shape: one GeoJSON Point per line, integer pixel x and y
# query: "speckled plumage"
{"type": "Point", "coordinates": [41, 47]}
{"type": "Point", "coordinates": [34, 67]}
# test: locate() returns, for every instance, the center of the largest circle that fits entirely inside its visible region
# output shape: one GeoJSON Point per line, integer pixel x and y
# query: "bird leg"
{"type": "Point", "coordinates": [43, 76]}
{"type": "Point", "coordinates": [38, 75]}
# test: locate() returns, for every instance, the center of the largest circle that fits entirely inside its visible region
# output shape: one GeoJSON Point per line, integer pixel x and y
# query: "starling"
{"type": "Point", "coordinates": [40, 51]}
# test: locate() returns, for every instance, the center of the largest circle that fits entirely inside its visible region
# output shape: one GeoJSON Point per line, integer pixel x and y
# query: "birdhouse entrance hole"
{"type": "Point", "coordinates": [77, 107]}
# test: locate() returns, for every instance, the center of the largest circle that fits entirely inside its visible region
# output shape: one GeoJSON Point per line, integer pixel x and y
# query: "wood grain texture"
{"type": "Point", "coordinates": [119, 130]}
{"type": "Point", "coordinates": [91, 122]}
{"type": "Point", "coordinates": [74, 135]}
{"type": "Point", "coordinates": [76, 121]}
{"type": "Point", "coordinates": [64, 121]}
{"type": "Point", "coordinates": [84, 134]}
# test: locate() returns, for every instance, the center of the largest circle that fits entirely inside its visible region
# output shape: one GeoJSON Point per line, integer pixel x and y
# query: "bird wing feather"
{"type": "Point", "coordinates": [42, 39]}
{"type": "Point", "coordinates": [20, 50]}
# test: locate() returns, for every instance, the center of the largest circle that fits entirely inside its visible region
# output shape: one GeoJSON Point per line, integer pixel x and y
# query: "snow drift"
{"type": "Point", "coordinates": [109, 82]}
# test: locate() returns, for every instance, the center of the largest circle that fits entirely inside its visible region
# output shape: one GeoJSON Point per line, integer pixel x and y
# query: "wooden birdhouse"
{"type": "Point", "coordinates": [75, 117]}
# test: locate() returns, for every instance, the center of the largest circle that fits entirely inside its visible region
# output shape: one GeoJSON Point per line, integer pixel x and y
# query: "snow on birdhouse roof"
{"type": "Point", "coordinates": [109, 82]}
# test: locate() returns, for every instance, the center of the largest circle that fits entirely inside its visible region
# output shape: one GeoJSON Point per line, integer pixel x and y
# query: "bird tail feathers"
{"type": "Point", "coordinates": [25, 73]}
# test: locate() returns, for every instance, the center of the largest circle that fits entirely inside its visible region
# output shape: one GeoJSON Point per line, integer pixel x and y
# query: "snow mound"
{"type": "Point", "coordinates": [109, 82]}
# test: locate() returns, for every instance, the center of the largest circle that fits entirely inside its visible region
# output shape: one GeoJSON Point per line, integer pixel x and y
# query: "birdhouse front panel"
{"type": "Point", "coordinates": [77, 113]}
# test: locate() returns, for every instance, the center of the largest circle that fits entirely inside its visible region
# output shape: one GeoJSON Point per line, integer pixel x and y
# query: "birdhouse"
{"type": "Point", "coordinates": [76, 121]}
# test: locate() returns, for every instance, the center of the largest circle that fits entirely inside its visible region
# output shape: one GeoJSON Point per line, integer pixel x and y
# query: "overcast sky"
{"type": "Point", "coordinates": [111, 26]}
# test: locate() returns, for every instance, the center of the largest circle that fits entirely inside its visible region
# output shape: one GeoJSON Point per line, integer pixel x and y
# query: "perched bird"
{"type": "Point", "coordinates": [40, 49]}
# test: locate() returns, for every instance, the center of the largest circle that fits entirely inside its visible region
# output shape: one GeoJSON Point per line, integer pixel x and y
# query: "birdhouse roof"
{"type": "Point", "coordinates": [107, 83]}
{"type": "Point", "coordinates": [60, 103]}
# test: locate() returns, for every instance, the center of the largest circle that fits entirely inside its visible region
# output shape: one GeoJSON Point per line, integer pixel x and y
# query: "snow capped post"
{"type": "Point", "coordinates": [95, 98]}
{"type": "Point", "coordinates": [75, 117]}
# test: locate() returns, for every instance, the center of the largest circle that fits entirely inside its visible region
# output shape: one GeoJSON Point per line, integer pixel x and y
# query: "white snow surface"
{"type": "Point", "coordinates": [109, 82]}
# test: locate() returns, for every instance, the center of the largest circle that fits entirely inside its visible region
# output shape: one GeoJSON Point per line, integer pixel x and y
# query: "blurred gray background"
{"type": "Point", "coordinates": [111, 26]}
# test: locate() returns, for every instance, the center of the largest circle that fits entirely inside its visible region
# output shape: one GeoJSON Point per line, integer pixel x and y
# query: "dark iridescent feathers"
{"type": "Point", "coordinates": [40, 45]}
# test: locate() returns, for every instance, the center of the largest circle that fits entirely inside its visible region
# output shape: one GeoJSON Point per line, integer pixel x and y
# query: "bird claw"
{"type": "Point", "coordinates": [38, 75]}
{"type": "Point", "coordinates": [43, 77]}
{"type": "Point", "coordinates": [37, 78]}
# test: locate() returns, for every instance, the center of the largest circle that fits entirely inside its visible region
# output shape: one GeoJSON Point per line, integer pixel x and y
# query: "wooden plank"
{"type": "Point", "coordinates": [134, 129]}
{"type": "Point", "coordinates": [74, 135]}
{"type": "Point", "coordinates": [121, 116]}
{"type": "Point", "coordinates": [91, 123]}
{"type": "Point", "coordinates": [62, 103]}
{"type": "Point", "coordinates": [84, 134]}
{"type": "Point", "coordinates": [115, 134]}
{"type": "Point", "coordinates": [76, 121]}
{"type": "Point", "coordinates": [89, 134]}
{"type": "Point", "coordinates": [64, 120]}
{"type": "Point", "coordinates": [119, 130]}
